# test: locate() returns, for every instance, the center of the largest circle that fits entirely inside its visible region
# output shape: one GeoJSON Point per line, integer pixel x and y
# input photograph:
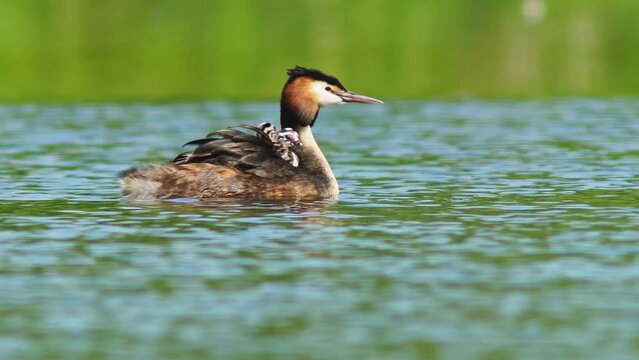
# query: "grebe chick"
{"type": "Point", "coordinates": [268, 164]}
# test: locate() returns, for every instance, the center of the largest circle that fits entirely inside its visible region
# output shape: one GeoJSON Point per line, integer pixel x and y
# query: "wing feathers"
{"type": "Point", "coordinates": [250, 153]}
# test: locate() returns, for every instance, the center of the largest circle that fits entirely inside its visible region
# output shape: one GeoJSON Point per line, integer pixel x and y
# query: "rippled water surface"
{"type": "Point", "coordinates": [490, 230]}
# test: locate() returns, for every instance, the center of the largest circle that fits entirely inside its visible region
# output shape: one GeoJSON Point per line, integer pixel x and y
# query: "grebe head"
{"type": "Point", "coordinates": [307, 90]}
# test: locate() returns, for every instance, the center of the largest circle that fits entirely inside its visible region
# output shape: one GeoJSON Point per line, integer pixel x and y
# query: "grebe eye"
{"type": "Point", "coordinates": [328, 88]}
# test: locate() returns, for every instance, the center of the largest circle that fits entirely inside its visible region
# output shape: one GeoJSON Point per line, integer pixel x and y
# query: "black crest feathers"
{"type": "Point", "coordinates": [299, 71]}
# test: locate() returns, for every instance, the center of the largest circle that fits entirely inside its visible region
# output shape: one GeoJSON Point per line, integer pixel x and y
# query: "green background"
{"type": "Point", "coordinates": [90, 50]}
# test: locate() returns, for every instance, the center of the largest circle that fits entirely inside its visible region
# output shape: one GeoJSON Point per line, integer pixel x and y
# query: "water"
{"type": "Point", "coordinates": [489, 230]}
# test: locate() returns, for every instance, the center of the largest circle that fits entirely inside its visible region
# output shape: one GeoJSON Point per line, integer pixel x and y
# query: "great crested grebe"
{"type": "Point", "coordinates": [270, 164]}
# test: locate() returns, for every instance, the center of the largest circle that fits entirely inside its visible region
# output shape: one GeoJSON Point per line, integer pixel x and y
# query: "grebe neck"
{"type": "Point", "coordinates": [314, 163]}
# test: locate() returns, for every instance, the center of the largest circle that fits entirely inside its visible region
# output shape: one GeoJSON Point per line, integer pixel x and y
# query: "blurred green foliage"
{"type": "Point", "coordinates": [109, 50]}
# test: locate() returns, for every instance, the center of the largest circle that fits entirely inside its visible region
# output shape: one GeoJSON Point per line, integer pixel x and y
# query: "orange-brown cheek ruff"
{"type": "Point", "coordinates": [300, 102]}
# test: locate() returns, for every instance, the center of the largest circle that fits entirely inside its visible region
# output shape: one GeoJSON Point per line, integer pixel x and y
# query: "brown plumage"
{"type": "Point", "coordinates": [246, 161]}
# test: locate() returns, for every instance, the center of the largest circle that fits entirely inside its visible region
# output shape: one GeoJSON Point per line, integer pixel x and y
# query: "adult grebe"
{"type": "Point", "coordinates": [269, 164]}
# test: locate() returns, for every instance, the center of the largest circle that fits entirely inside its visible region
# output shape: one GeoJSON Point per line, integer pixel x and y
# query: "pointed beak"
{"type": "Point", "coordinates": [351, 97]}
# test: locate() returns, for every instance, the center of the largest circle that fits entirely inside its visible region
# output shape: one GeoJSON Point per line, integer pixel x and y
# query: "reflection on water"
{"type": "Point", "coordinates": [489, 229]}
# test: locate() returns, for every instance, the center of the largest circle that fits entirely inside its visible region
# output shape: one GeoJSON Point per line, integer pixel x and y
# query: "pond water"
{"type": "Point", "coordinates": [465, 229]}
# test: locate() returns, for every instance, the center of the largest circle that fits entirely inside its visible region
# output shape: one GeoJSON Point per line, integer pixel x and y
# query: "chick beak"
{"type": "Point", "coordinates": [351, 97]}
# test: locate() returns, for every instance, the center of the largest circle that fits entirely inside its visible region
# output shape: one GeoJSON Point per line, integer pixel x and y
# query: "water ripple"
{"type": "Point", "coordinates": [464, 229]}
